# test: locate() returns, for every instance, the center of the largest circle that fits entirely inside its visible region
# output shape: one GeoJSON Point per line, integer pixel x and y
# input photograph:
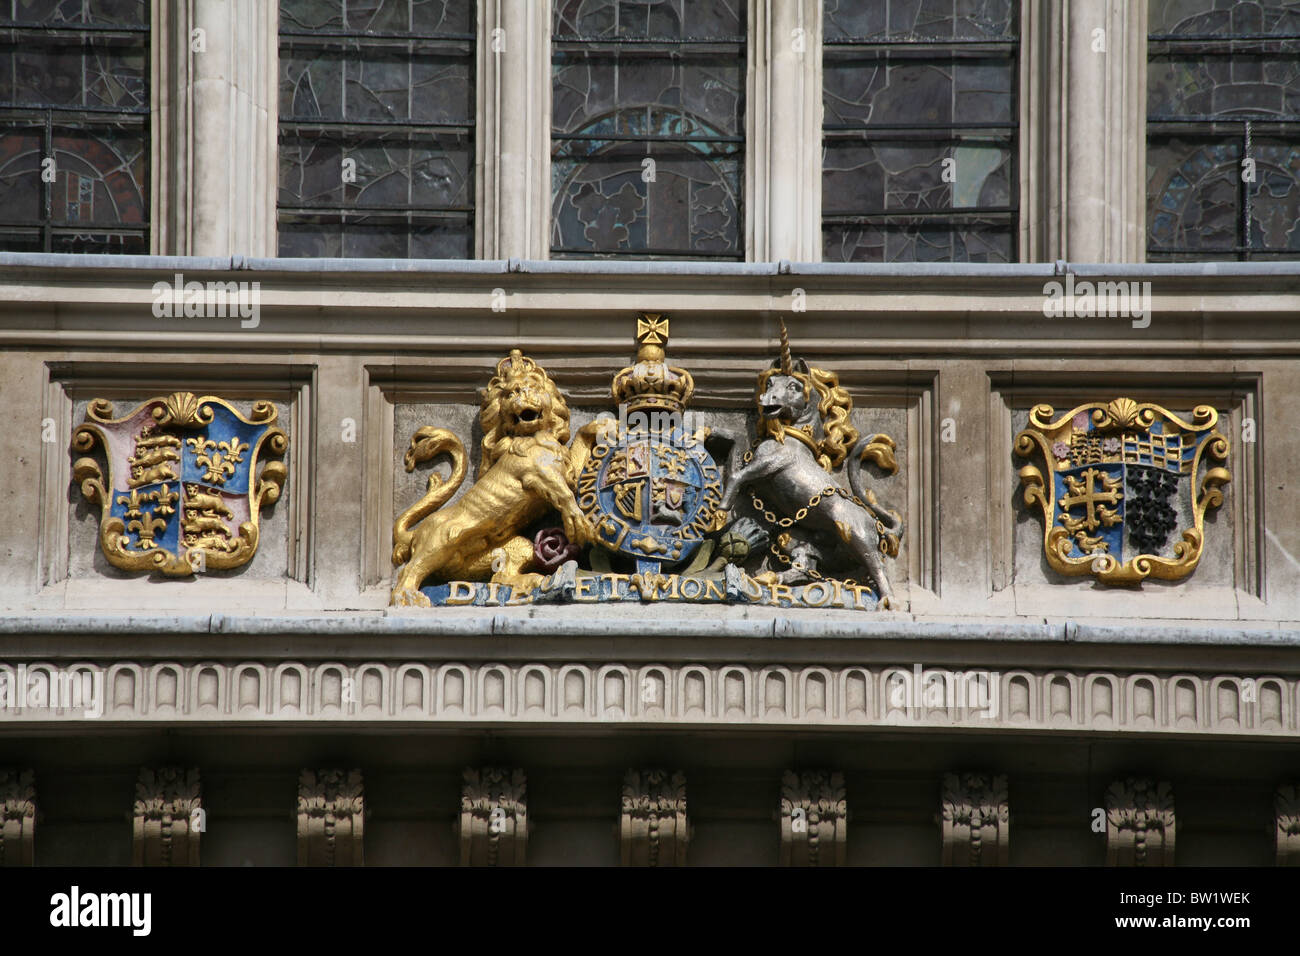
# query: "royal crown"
{"type": "Point", "coordinates": [652, 383]}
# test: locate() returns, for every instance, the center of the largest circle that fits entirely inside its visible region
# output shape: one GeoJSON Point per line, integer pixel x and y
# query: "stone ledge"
{"type": "Point", "coordinates": [660, 621]}
{"type": "Point", "coordinates": [17, 261]}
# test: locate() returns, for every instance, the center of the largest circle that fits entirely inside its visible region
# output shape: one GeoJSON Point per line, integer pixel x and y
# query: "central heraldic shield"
{"type": "Point", "coordinates": [650, 490]}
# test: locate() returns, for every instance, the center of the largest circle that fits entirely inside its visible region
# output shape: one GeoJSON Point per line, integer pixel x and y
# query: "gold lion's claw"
{"type": "Point", "coordinates": [405, 597]}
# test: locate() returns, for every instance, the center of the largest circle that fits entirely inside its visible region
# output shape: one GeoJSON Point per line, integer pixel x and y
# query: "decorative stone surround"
{"type": "Point", "coordinates": [493, 826]}
{"type": "Point", "coordinates": [168, 817]}
{"type": "Point", "coordinates": [652, 828]}
{"type": "Point", "coordinates": [814, 819]}
{"type": "Point", "coordinates": [1140, 823]}
{"type": "Point", "coordinates": [171, 692]}
{"type": "Point", "coordinates": [17, 817]}
{"type": "Point", "coordinates": [976, 820]}
{"type": "Point", "coordinates": [331, 818]}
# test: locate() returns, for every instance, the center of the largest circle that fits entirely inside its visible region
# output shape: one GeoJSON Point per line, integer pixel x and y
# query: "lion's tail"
{"type": "Point", "coordinates": [880, 449]}
{"type": "Point", "coordinates": [425, 444]}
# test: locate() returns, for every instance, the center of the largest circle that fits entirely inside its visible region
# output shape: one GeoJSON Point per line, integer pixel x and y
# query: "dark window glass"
{"type": "Point", "coordinates": [74, 126]}
{"type": "Point", "coordinates": [1223, 130]}
{"type": "Point", "coordinates": [648, 129]}
{"type": "Point", "coordinates": [919, 131]}
{"type": "Point", "coordinates": [377, 128]}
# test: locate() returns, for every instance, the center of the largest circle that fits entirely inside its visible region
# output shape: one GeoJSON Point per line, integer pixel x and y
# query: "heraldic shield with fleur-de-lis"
{"type": "Point", "coordinates": [1127, 487]}
{"type": "Point", "coordinates": [183, 491]}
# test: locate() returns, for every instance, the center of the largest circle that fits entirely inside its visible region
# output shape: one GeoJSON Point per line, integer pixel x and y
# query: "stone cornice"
{"type": "Point", "coordinates": [559, 635]}
{"type": "Point", "coordinates": [595, 622]}
{"type": "Point", "coordinates": [376, 306]}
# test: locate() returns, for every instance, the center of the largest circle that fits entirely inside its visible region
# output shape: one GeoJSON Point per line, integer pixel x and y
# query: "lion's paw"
{"type": "Point", "coordinates": [406, 597]}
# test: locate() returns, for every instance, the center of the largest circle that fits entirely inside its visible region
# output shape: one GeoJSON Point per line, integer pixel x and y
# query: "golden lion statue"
{"type": "Point", "coordinates": [525, 471]}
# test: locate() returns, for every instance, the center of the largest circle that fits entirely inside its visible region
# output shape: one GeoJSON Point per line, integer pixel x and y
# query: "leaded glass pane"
{"type": "Point", "coordinates": [1223, 130]}
{"type": "Point", "coordinates": [377, 128]}
{"type": "Point", "coordinates": [919, 128]}
{"type": "Point", "coordinates": [648, 121]}
{"type": "Point", "coordinates": [920, 20]}
{"type": "Point", "coordinates": [74, 89]}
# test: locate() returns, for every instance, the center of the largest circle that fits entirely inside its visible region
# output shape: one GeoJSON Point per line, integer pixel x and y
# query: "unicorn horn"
{"type": "Point", "coordinates": [787, 367]}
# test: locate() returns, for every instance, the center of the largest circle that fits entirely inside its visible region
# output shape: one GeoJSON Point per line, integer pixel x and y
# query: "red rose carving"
{"type": "Point", "coordinates": [552, 548]}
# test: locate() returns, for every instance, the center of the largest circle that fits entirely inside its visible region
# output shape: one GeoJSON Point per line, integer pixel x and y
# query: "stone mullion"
{"type": "Point", "coordinates": [215, 128]}
{"type": "Point", "coordinates": [169, 135]}
{"type": "Point", "coordinates": [783, 143]}
{"type": "Point", "coordinates": [513, 148]}
{"type": "Point", "coordinates": [1042, 68]}
{"type": "Point", "coordinates": [1105, 135]}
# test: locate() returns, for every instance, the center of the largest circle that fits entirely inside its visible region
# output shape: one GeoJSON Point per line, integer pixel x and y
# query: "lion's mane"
{"type": "Point", "coordinates": [512, 371]}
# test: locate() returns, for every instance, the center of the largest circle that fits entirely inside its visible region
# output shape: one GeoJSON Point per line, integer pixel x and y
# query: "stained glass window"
{"type": "Point", "coordinates": [377, 128]}
{"type": "Point", "coordinates": [74, 126]}
{"type": "Point", "coordinates": [1223, 130]}
{"type": "Point", "coordinates": [648, 128]}
{"type": "Point", "coordinates": [919, 130]}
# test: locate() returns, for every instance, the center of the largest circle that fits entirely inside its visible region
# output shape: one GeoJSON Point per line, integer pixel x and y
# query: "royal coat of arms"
{"type": "Point", "coordinates": [183, 492]}
{"type": "Point", "coordinates": [1121, 480]}
{"type": "Point", "coordinates": [649, 487]}
{"type": "Point", "coordinates": [635, 508]}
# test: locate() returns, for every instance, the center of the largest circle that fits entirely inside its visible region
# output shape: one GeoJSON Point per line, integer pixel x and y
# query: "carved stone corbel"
{"type": "Point", "coordinates": [653, 828]}
{"type": "Point", "coordinates": [331, 818]}
{"type": "Point", "coordinates": [976, 820]}
{"type": "Point", "coordinates": [17, 818]}
{"type": "Point", "coordinates": [168, 817]}
{"type": "Point", "coordinates": [493, 826]}
{"type": "Point", "coordinates": [814, 819]}
{"type": "Point", "coordinates": [1287, 805]}
{"type": "Point", "coordinates": [1140, 823]}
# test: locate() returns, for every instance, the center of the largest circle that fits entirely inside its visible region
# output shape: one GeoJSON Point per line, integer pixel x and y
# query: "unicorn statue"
{"type": "Point", "coordinates": [804, 436]}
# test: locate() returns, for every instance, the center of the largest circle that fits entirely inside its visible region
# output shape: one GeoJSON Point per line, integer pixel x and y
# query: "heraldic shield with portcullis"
{"type": "Point", "coordinates": [644, 510]}
{"type": "Point", "coordinates": [183, 492]}
{"type": "Point", "coordinates": [1126, 488]}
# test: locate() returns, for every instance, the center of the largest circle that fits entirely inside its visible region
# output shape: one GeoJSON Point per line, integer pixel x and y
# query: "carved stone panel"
{"type": "Point", "coordinates": [17, 818]}
{"type": "Point", "coordinates": [976, 820]}
{"type": "Point", "coordinates": [653, 829]}
{"type": "Point", "coordinates": [1287, 803]}
{"type": "Point", "coordinates": [331, 818]}
{"type": "Point", "coordinates": [168, 817]}
{"type": "Point", "coordinates": [493, 817]}
{"type": "Point", "coordinates": [1140, 823]}
{"type": "Point", "coordinates": [814, 819]}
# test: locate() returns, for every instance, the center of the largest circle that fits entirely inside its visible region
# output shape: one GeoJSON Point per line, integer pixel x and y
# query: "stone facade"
{"type": "Point", "coordinates": [993, 689]}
